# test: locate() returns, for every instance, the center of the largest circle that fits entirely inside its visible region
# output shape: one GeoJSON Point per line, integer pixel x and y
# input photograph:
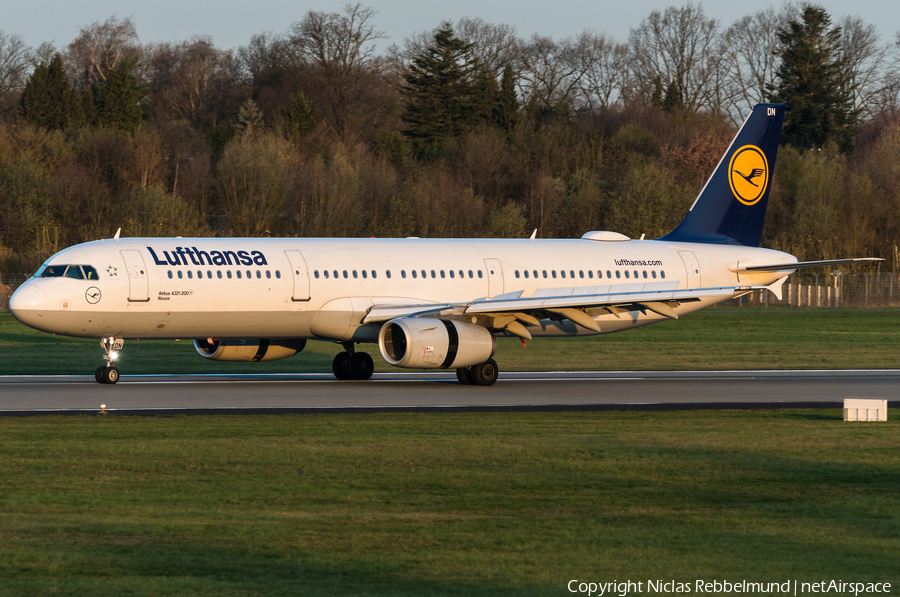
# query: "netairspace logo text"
{"type": "Point", "coordinates": [718, 587]}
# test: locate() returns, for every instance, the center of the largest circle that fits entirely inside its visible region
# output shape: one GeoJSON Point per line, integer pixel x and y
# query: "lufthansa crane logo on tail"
{"type": "Point", "coordinates": [748, 174]}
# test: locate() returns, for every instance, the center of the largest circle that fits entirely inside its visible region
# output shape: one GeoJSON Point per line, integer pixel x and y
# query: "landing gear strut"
{"type": "Point", "coordinates": [483, 374]}
{"type": "Point", "coordinates": [108, 374]}
{"type": "Point", "coordinates": [352, 365]}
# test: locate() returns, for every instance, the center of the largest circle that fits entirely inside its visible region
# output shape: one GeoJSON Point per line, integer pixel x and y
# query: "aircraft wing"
{"type": "Point", "coordinates": [567, 303]}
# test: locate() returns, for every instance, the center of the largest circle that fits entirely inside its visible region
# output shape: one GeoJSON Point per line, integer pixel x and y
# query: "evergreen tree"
{"type": "Point", "coordinates": [448, 90]}
{"type": "Point", "coordinates": [118, 100]}
{"type": "Point", "coordinates": [49, 100]}
{"type": "Point", "coordinates": [506, 108]}
{"type": "Point", "coordinates": [814, 84]}
{"type": "Point", "coordinates": [300, 118]}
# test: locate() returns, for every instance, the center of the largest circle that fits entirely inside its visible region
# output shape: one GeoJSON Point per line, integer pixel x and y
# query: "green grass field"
{"type": "Point", "coordinates": [710, 339]}
{"type": "Point", "coordinates": [443, 504]}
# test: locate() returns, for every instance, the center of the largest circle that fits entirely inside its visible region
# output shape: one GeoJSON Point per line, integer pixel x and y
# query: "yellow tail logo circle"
{"type": "Point", "coordinates": [748, 174]}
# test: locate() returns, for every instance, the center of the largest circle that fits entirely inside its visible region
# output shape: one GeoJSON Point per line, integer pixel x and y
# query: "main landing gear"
{"type": "Point", "coordinates": [352, 365]}
{"type": "Point", "coordinates": [484, 374]}
{"type": "Point", "coordinates": [108, 374]}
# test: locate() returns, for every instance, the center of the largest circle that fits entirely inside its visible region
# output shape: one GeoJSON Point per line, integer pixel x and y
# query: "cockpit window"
{"type": "Point", "coordinates": [74, 271]}
{"type": "Point", "coordinates": [89, 272]}
{"type": "Point", "coordinates": [52, 271]}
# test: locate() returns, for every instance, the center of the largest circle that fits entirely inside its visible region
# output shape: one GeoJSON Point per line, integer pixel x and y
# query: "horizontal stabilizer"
{"type": "Point", "coordinates": [786, 267]}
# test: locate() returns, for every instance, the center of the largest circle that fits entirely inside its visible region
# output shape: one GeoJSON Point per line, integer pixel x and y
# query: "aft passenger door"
{"type": "Point", "coordinates": [138, 280]}
{"type": "Point", "coordinates": [495, 277]}
{"type": "Point", "coordinates": [300, 276]}
{"type": "Point", "coordinates": [692, 268]}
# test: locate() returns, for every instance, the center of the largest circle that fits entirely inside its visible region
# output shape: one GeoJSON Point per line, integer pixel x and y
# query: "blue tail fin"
{"type": "Point", "coordinates": [731, 208]}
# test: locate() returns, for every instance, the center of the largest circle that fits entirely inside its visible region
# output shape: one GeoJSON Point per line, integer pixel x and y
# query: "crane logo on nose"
{"type": "Point", "coordinates": [92, 295]}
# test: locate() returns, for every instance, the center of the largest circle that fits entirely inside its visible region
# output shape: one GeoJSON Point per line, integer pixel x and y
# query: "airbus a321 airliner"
{"type": "Point", "coordinates": [427, 303]}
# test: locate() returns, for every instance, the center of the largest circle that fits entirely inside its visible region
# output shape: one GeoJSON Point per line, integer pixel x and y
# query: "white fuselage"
{"type": "Point", "coordinates": [323, 288]}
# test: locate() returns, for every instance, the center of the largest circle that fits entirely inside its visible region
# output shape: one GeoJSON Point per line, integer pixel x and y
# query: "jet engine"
{"type": "Point", "coordinates": [248, 350]}
{"type": "Point", "coordinates": [427, 343]}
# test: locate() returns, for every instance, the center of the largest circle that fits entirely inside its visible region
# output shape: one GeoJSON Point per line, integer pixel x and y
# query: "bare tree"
{"type": "Point", "coordinates": [677, 47]}
{"type": "Point", "coordinates": [602, 64]}
{"type": "Point", "coordinates": [338, 51]}
{"type": "Point", "coordinates": [749, 48]}
{"type": "Point", "coordinates": [872, 65]}
{"type": "Point", "coordinates": [100, 47]}
{"type": "Point", "coordinates": [185, 77]}
{"type": "Point", "coordinates": [549, 72]}
{"type": "Point", "coordinates": [15, 63]}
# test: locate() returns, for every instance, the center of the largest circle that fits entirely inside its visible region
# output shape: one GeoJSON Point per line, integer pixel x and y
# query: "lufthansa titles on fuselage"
{"type": "Point", "coordinates": [180, 256]}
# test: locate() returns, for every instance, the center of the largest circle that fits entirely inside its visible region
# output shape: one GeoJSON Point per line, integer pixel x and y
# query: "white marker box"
{"type": "Point", "coordinates": [859, 409]}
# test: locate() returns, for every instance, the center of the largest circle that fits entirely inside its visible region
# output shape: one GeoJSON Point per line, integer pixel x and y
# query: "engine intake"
{"type": "Point", "coordinates": [427, 343]}
{"type": "Point", "coordinates": [243, 351]}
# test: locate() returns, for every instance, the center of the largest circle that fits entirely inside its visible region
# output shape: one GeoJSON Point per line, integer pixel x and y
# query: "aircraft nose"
{"type": "Point", "coordinates": [27, 304]}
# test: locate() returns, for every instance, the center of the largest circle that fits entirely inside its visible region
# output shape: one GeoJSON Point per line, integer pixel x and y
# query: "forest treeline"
{"type": "Point", "coordinates": [465, 131]}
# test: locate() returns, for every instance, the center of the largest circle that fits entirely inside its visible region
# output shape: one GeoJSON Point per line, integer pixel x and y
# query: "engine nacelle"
{"type": "Point", "coordinates": [243, 351]}
{"type": "Point", "coordinates": [428, 343]}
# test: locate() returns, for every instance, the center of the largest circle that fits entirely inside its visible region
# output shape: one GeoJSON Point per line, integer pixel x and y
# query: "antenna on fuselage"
{"type": "Point", "coordinates": [118, 232]}
{"type": "Point", "coordinates": [533, 234]}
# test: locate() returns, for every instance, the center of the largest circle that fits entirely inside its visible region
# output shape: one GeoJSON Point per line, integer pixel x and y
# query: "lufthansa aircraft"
{"type": "Point", "coordinates": [427, 303]}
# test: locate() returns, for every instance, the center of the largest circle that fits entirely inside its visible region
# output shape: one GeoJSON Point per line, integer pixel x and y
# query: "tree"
{"type": "Point", "coordinates": [15, 58]}
{"type": "Point", "coordinates": [506, 108]}
{"type": "Point", "coordinates": [118, 99]}
{"type": "Point", "coordinates": [101, 47]}
{"type": "Point", "coordinates": [446, 88]}
{"type": "Point", "coordinates": [814, 82]}
{"type": "Point", "coordinates": [49, 100]}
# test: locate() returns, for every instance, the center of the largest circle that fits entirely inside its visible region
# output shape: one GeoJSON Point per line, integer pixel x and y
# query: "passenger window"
{"type": "Point", "coordinates": [432, 274]}
{"type": "Point", "coordinates": [228, 274]}
{"type": "Point", "coordinates": [345, 275]}
{"type": "Point", "coordinates": [452, 274]}
{"type": "Point", "coordinates": [335, 274]}
{"type": "Point", "coordinates": [545, 273]}
{"type": "Point", "coordinates": [269, 275]}
{"type": "Point", "coordinates": [278, 274]}
{"type": "Point", "coordinates": [365, 274]}
{"type": "Point", "coordinates": [170, 274]}
{"type": "Point", "coordinates": [442, 274]}
{"type": "Point", "coordinates": [591, 274]}
{"type": "Point", "coordinates": [581, 273]}
{"type": "Point", "coordinates": [662, 275]}
{"type": "Point", "coordinates": [73, 271]}
{"type": "Point", "coordinates": [89, 272]}
{"type": "Point", "coordinates": [517, 273]}
{"type": "Point", "coordinates": [470, 274]}
{"type": "Point", "coordinates": [626, 274]}
{"type": "Point", "coordinates": [535, 274]}
{"type": "Point", "coordinates": [479, 274]}
{"type": "Point", "coordinates": [190, 274]}
{"type": "Point", "coordinates": [403, 273]}
{"type": "Point", "coordinates": [635, 274]}
{"type": "Point", "coordinates": [645, 274]}
{"type": "Point", "coordinates": [238, 272]}
{"type": "Point", "coordinates": [374, 274]}
{"type": "Point", "coordinates": [424, 275]}
{"type": "Point", "coordinates": [387, 273]}
{"type": "Point", "coordinates": [53, 271]}
{"type": "Point", "coordinates": [461, 274]}
{"type": "Point", "coordinates": [553, 273]}
{"type": "Point", "coordinates": [653, 274]}
{"type": "Point", "coordinates": [325, 272]}
{"type": "Point", "coordinates": [572, 273]}
{"type": "Point", "coordinates": [180, 275]}
{"type": "Point", "coordinates": [258, 274]}
{"type": "Point", "coordinates": [354, 275]}
{"type": "Point", "coordinates": [526, 273]}
{"type": "Point", "coordinates": [618, 274]}
{"type": "Point", "coordinates": [415, 274]}
{"type": "Point", "coordinates": [608, 274]}
{"type": "Point", "coordinates": [562, 273]}
{"type": "Point", "coordinates": [209, 274]}
{"type": "Point", "coordinates": [249, 274]}
{"type": "Point", "coordinates": [218, 274]}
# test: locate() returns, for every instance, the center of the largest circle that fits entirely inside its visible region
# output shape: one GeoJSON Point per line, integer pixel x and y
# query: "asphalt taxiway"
{"type": "Point", "coordinates": [439, 391]}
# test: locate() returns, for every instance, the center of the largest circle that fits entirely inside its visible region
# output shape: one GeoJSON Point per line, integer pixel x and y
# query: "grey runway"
{"type": "Point", "coordinates": [439, 391]}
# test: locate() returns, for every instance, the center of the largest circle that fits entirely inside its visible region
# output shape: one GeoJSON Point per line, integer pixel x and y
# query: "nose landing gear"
{"type": "Point", "coordinates": [109, 374]}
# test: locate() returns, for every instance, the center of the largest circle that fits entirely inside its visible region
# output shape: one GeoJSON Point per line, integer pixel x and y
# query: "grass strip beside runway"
{"type": "Point", "coordinates": [453, 504]}
{"type": "Point", "coordinates": [710, 339]}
